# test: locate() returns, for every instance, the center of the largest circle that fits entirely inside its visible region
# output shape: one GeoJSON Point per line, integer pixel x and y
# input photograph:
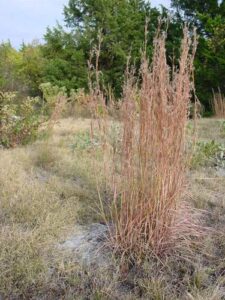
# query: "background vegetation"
{"type": "Point", "coordinates": [62, 58]}
{"type": "Point", "coordinates": [133, 165]}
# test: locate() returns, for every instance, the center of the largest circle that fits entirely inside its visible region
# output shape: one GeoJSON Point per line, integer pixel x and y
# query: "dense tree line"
{"type": "Point", "coordinates": [209, 19]}
{"type": "Point", "coordinates": [62, 59]}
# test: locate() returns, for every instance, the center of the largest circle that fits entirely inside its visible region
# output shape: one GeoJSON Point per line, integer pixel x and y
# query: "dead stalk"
{"type": "Point", "coordinates": [218, 104]}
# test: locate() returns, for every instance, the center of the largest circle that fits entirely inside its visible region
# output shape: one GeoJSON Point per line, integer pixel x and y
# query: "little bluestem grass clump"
{"type": "Point", "coordinates": [148, 214]}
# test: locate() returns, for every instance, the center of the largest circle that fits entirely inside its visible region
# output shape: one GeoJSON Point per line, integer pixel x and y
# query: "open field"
{"type": "Point", "coordinates": [49, 187]}
{"type": "Point", "coordinates": [112, 150]}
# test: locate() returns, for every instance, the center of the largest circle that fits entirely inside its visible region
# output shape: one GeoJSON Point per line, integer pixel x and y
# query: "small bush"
{"type": "Point", "coordinates": [84, 141]}
{"type": "Point", "coordinates": [51, 94]}
{"type": "Point", "coordinates": [208, 154]}
{"type": "Point", "coordinates": [19, 119]}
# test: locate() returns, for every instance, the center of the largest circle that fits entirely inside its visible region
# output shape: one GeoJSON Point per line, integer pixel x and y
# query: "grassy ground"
{"type": "Point", "coordinates": [50, 186]}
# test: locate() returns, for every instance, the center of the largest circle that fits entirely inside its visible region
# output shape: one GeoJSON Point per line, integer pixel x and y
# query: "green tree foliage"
{"type": "Point", "coordinates": [21, 70]}
{"type": "Point", "coordinates": [121, 23]}
{"type": "Point", "coordinates": [31, 69]}
{"type": "Point", "coordinates": [209, 18]}
{"type": "Point", "coordinates": [67, 64]}
{"type": "Point", "coordinates": [10, 60]}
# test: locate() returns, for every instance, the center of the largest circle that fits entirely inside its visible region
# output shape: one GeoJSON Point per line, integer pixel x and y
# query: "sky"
{"type": "Point", "coordinates": [27, 20]}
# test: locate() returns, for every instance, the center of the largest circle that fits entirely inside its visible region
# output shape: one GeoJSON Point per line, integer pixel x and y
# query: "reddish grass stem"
{"type": "Point", "coordinates": [218, 104]}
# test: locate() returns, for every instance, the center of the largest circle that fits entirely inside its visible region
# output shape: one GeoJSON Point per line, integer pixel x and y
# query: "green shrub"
{"type": "Point", "coordinates": [208, 153]}
{"type": "Point", "coordinates": [19, 119]}
{"type": "Point", "coordinates": [51, 94]}
{"type": "Point", "coordinates": [84, 141]}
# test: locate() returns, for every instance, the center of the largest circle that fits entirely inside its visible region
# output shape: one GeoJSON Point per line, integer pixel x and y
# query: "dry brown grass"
{"type": "Point", "coordinates": [41, 204]}
{"type": "Point", "coordinates": [218, 105]}
{"type": "Point", "coordinates": [153, 163]}
{"type": "Point", "coordinates": [44, 191]}
{"type": "Point", "coordinates": [32, 218]}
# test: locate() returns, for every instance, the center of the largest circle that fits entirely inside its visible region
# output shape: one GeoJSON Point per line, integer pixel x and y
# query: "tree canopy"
{"type": "Point", "coordinates": [209, 19]}
{"type": "Point", "coordinates": [62, 59]}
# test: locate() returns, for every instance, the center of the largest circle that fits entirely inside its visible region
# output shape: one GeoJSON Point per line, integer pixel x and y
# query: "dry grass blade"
{"type": "Point", "coordinates": [218, 104]}
{"type": "Point", "coordinates": [57, 111]}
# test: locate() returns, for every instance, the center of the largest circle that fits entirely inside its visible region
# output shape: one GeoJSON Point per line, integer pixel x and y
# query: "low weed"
{"type": "Point", "coordinates": [208, 154]}
{"type": "Point", "coordinates": [84, 141]}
